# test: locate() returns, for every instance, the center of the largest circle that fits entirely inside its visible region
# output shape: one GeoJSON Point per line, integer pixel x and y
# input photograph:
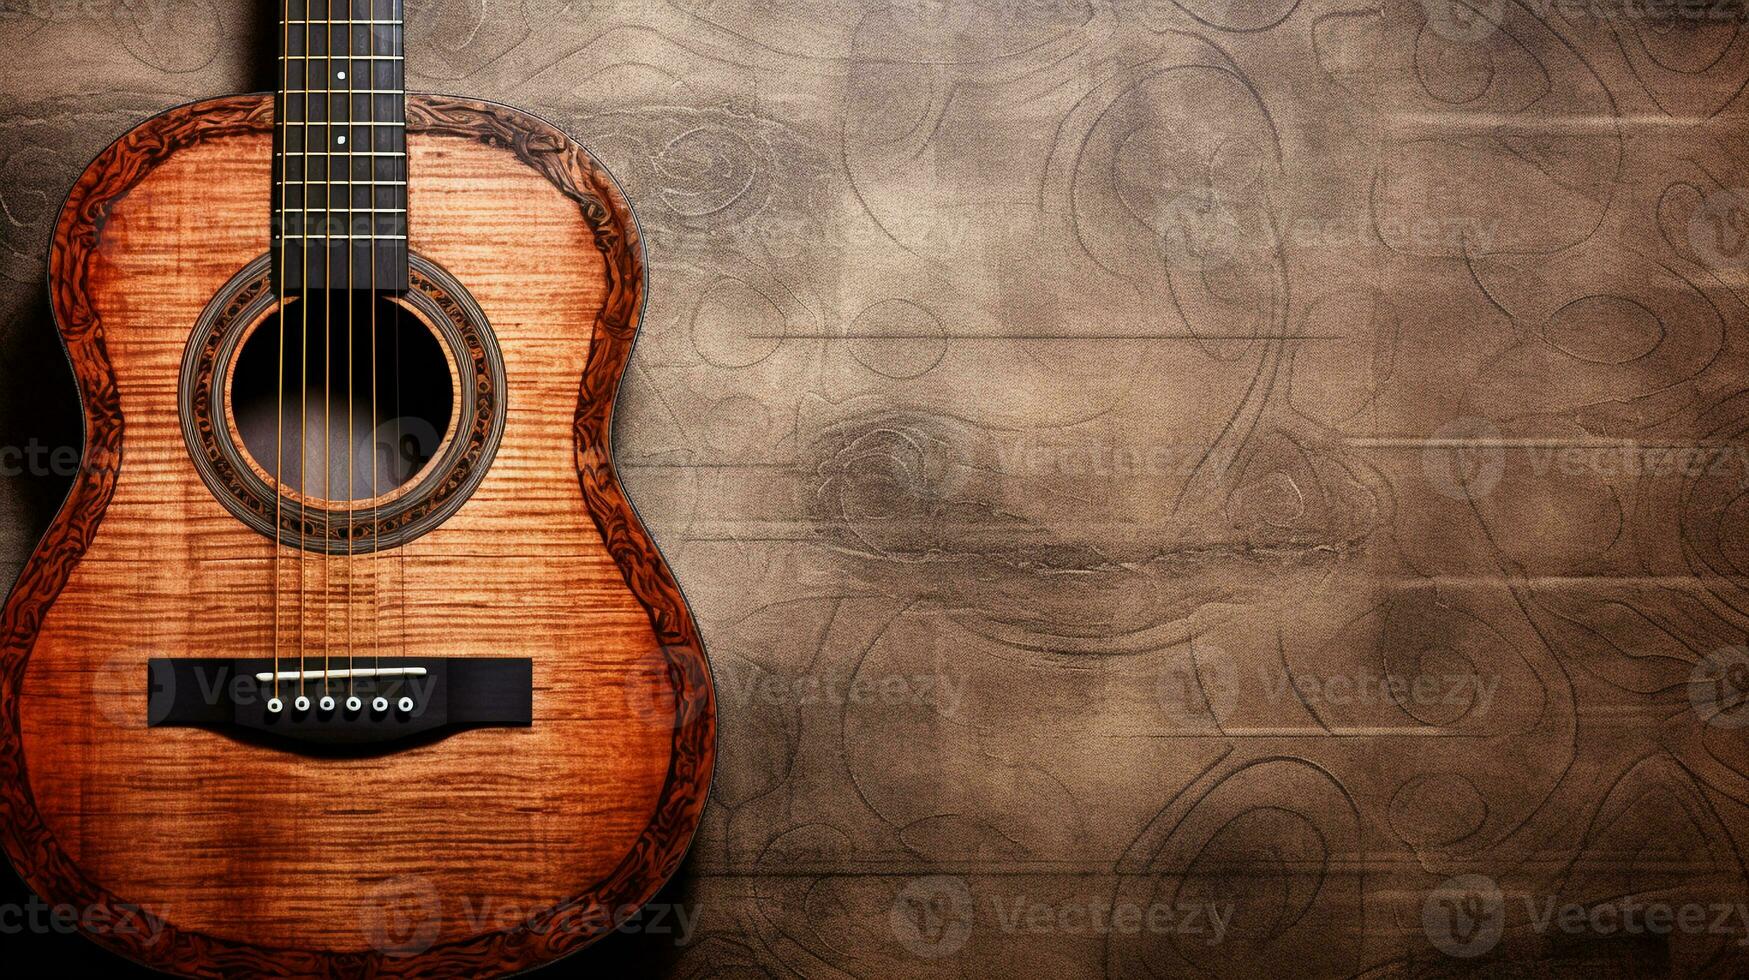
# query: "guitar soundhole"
{"type": "Point", "coordinates": [436, 421]}
{"type": "Point", "coordinates": [377, 415]}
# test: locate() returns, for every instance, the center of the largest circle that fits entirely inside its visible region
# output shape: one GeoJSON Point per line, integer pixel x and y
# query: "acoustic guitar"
{"type": "Point", "coordinates": [347, 653]}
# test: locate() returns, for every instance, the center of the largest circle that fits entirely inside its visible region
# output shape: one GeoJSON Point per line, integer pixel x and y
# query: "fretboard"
{"type": "Point", "coordinates": [340, 148]}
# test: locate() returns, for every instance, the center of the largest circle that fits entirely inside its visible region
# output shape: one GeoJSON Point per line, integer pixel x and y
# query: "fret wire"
{"type": "Point", "coordinates": [302, 11]}
{"type": "Point", "coordinates": [345, 238]}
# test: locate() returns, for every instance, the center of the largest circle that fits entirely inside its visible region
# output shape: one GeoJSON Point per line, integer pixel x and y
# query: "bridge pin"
{"type": "Point", "coordinates": [380, 704]}
{"type": "Point", "coordinates": [327, 703]}
{"type": "Point", "coordinates": [406, 704]}
{"type": "Point", "coordinates": [302, 703]}
{"type": "Point", "coordinates": [275, 705]}
{"type": "Point", "coordinates": [353, 703]}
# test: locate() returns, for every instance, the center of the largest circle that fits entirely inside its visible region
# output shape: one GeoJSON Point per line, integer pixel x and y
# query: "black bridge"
{"type": "Point", "coordinates": [341, 704]}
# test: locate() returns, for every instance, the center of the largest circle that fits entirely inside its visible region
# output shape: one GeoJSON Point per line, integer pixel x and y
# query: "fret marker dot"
{"type": "Point", "coordinates": [340, 75]}
{"type": "Point", "coordinates": [340, 139]}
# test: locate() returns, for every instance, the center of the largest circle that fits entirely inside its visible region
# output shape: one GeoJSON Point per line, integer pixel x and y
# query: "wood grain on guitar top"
{"type": "Point", "coordinates": [519, 844]}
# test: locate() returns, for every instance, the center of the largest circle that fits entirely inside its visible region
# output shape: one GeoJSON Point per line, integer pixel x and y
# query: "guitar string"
{"type": "Point", "coordinates": [397, 25]}
{"type": "Point", "coordinates": [284, 111]}
{"type": "Point", "coordinates": [399, 11]}
{"type": "Point", "coordinates": [351, 216]}
{"type": "Point", "coordinates": [304, 369]}
{"type": "Point", "coordinates": [376, 505]}
{"type": "Point", "coordinates": [328, 349]}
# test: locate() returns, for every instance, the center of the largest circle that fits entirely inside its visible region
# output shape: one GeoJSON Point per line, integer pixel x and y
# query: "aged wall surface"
{"type": "Point", "coordinates": [1169, 488]}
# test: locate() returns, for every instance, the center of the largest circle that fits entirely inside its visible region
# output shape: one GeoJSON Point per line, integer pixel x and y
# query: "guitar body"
{"type": "Point", "coordinates": [493, 849]}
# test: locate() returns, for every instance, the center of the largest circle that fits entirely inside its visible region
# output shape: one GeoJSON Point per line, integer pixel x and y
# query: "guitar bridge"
{"type": "Point", "coordinates": [340, 705]}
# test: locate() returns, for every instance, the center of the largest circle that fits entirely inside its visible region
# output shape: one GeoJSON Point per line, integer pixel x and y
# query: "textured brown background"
{"type": "Point", "coordinates": [1130, 456]}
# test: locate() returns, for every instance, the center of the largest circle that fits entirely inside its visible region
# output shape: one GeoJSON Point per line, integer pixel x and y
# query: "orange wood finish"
{"type": "Point", "coordinates": [259, 860]}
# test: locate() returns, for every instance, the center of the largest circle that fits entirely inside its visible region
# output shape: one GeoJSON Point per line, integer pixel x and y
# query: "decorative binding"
{"type": "Point", "coordinates": [655, 856]}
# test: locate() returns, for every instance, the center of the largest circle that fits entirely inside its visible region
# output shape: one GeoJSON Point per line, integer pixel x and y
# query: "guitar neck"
{"type": "Point", "coordinates": [340, 146]}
